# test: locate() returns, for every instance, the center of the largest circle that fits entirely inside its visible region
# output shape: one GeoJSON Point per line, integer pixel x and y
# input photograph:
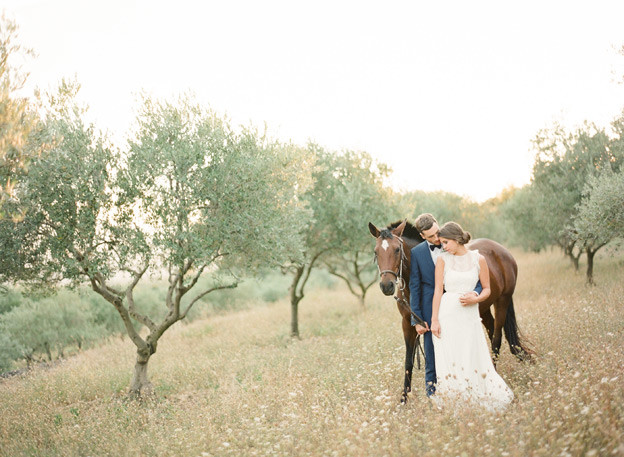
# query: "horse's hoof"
{"type": "Point", "coordinates": [403, 399]}
{"type": "Point", "coordinates": [524, 356]}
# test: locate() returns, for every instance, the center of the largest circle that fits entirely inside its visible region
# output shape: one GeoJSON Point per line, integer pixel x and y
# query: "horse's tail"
{"type": "Point", "coordinates": [517, 343]}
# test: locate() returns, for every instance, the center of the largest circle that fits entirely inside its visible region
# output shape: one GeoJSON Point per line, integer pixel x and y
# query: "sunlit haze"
{"type": "Point", "coordinates": [449, 94]}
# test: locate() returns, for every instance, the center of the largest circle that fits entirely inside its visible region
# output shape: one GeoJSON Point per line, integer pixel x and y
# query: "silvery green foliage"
{"type": "Point", "coordinates": [601, 213]}
{"type": "Point", "coordinates": [346, 191]}
{"type": "Point", "coordinates": [564, 163]}
{"type": "Point", "coordinates": [194, 190]}
{"type": "Point", "coordinates": [526, 215]}
{"type": "Point", "coordinates": [190, 190]}
{"type": "Point", "coordinates": [45, 328]}
{"type": "Point", "coordinates": [11, 350]}
{"type": "Point", "coordinates": [359, 197]}
{"type": "Point", "coordinates": [65, 196]}
{"type": "Point", "coordinates": [344, 188]}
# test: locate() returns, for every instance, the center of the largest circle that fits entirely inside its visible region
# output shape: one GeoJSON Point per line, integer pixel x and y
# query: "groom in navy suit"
{"type": "Point", "coordinates": [422, 285]}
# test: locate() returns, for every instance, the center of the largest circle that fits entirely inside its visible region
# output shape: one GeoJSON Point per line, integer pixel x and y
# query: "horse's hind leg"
{"type": "Point", "coordinates": [409, 334]}
{"type": "Point", "coordinates": [488, 321]}
{"type": "Point", "coordinates": [500, 314]}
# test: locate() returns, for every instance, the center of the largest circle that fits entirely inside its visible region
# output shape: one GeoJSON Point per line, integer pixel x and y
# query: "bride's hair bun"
{"type": "Point", "coordinates": [454, 231]}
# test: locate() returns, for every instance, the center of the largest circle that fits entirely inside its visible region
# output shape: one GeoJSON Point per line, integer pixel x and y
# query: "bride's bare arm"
{"type": "Point", "coordinates": [437, 296]}
{"type": "Point", "coordinates": [484, 277]}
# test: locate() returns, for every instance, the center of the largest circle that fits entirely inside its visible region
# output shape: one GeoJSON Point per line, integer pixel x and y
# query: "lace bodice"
{"type": "Point", "coordinates": [461, 273]}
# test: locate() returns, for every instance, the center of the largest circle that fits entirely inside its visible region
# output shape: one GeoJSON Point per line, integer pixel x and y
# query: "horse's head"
{"type": "Point", "coordinates": [390, 254]}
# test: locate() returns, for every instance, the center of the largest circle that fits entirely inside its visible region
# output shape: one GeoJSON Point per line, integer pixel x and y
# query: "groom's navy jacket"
{"type": "Point", "coordinates": [422, 282]}
{"type": "Point", "coordinates": [422, 287]}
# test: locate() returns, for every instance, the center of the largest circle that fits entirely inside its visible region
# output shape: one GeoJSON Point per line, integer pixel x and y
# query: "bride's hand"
{"type": "Point", "coordinates": [469, 298]}
{"type": "Point", "coordinates": [435, 328]}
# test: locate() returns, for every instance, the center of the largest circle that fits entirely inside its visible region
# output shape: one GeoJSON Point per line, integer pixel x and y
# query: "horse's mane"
{"type": "Point", "coordinates": [410, 231]}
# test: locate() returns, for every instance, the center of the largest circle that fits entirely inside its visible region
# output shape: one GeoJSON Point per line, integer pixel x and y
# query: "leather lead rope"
{"type": "Point", "coordinates": [404, 303]}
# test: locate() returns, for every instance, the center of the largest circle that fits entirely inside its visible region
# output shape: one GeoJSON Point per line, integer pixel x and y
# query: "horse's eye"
{"type": "Point", "coordinates": [397, 250]}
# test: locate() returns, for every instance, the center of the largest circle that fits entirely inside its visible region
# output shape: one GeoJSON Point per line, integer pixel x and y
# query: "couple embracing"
{"type": "Point", "coordinates": [447, 281]}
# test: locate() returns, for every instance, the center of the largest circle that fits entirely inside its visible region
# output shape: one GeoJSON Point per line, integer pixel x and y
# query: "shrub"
{"type": "Point", "coordinates": [8, 300]}
{"type": "Point", "coordinates": [50, 325]}
{"type": "Point", "coordinates": [10, 350]}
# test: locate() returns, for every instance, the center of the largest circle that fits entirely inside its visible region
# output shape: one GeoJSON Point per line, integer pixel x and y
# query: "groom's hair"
{"type": "Point", "coordinates": [424, 222]}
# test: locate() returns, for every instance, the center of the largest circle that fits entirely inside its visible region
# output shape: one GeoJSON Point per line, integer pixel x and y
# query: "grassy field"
{"type": "Point", "coordinates": [236, 384]}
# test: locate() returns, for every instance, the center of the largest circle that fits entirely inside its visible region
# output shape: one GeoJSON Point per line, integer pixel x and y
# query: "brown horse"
{"type": "Point", "coordinates": [393, 256]}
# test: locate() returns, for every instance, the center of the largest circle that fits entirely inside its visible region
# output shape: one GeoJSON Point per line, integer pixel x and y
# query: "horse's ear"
{"type": "Point", "coordinates": [374, 230]}
{"type": "Point", "coordinates": [399, 230]}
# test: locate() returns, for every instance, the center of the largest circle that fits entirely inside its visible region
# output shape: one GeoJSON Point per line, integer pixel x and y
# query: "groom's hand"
{"type": "Point", "coordinates": [422, 330]}
{"type": "Point", "coordinates": [469, 298]}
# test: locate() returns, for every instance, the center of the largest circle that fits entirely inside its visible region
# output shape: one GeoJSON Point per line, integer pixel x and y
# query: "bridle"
{"type": "Point", "coordinates": [399, 276]}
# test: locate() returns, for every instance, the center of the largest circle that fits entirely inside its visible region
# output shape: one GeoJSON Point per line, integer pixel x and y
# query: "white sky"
{"type": "Point", "coordinates": [456, 85]}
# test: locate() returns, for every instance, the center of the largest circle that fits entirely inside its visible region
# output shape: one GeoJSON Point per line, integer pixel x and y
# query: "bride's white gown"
{"type": "Point", "coordinates": [462, 356]}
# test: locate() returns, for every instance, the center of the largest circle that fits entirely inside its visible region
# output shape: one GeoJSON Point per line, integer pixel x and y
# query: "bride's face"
{"type": "Point", "coordinates": [449, 246]}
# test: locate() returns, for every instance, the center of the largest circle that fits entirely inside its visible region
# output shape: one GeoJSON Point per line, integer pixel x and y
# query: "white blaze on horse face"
{"type": "Point", "coordinates": [385, 245]}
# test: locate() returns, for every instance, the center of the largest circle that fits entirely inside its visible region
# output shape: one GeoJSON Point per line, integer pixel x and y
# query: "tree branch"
{"type": "Point", "coordinates": [191, 284]}
{"type": "Point", "coordinates": [117, 302]}
{"type": "Point", "coordinates": [308, 270]}
{"type": "Point", "coordinates": [131, 306]}
{"type": "Point", "coordinates": [345, 279]}
{"type": "Point", "coordinates": [198, 297]}
{"type": "Point", "coordinates": [371, 283]}
{"type": "Point", "coordinates": [100, 279]}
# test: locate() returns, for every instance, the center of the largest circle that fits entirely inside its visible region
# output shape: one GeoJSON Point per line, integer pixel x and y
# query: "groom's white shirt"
{"type": "Point", "coordinates": [435, 253]}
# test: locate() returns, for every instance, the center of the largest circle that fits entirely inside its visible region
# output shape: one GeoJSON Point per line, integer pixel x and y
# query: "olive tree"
{"type": "Point", "coordinates": [600, 216]}
{"type": "Point", "coordinates": [564, 163]}
{"type": "Point", "coordinates": [359, 198]}
{"type": "Point", "coordinates": [334, 226]}
{"type": "Point", "coordinates": [526, 219]}
{"type": "Point", "coordinates": [189, 195]}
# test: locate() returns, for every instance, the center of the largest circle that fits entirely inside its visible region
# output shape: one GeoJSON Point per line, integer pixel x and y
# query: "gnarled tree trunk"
{"type": "Point", "coordinates": [294, 318]}
{"type": "Point", "coordinates": [300, 278]}
{"type": "Point", "coordinates": [590, 265]}
{"type": "Point", "coordinates": [295, 298]}
{"type": "Point", "coordinates": [141, 385]}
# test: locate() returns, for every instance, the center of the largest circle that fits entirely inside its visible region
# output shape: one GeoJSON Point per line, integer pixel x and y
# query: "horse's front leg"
{"type": "Point", "coordinates": [409, 334]}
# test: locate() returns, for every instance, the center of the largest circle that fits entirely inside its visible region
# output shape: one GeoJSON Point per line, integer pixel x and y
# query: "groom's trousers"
{"type": "Point", "coordinates": [430, 373]}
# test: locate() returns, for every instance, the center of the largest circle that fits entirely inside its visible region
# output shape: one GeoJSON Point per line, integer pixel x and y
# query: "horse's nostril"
{"type": "Point", "coordinates": [387, 287]}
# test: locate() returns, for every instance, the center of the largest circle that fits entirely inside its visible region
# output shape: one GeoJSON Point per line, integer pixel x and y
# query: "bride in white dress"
{"type": "Point", "coordinates": [464, 366]}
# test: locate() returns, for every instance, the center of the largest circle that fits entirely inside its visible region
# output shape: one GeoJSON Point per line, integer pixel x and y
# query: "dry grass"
{"type": "Point", "coordinates": [237, 385]}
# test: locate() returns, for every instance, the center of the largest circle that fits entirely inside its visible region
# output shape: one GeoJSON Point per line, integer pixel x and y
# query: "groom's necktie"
{"type": "Point", "coordinates": [433, 246]}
